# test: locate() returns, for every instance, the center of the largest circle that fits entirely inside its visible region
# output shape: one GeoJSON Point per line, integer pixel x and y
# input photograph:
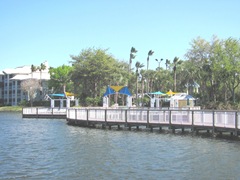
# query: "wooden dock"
{"type": "Point", "coordinates": [193, 120]}
{"type": "Point", "coordinates": [212, 121]}
{"type": "Point", "coordinates": [41, 112]}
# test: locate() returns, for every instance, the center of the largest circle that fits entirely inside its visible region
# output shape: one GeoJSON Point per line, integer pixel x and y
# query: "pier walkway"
{"type": "Point", "coordinates": [41, 112]}
{"type": "Point", "coordinates": [195, 120]}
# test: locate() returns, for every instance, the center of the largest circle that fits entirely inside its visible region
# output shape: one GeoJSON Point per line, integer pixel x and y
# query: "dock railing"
{"type": "Point", "coordinates": [159, 117]}
{"type": "Point", "coordinates": [205, 119]}
{"type": "Point", "coordinates": [44, 112]}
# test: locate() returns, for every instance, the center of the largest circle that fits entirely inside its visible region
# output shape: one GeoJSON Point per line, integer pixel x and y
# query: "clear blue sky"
{"type": "Point", "coordinates": [32, 31]}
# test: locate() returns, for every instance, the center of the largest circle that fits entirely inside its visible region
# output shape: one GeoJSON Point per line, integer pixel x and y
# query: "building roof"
{"type": "Point", "coordinates": [18, 70]}
{"type": "Point", "coordinates": [25, 72]}
{"type": "Point", "coordinates": [182, 96]}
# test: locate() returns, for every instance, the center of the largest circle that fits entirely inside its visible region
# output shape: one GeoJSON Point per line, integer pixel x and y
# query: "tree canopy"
{"type": "Point", "coordinates": [210, 72]}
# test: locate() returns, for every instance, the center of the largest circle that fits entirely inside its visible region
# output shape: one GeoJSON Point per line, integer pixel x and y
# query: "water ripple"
{"type": "Point", "coordinates": [50, 149]}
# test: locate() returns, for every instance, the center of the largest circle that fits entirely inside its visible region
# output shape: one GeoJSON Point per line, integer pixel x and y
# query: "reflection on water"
{"type": "Point", "coordinates": [50, 149]}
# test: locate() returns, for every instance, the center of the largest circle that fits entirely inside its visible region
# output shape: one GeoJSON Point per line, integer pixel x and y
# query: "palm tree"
{"type": "Point", "coordinates": [150, 53]}
{"type": "Point", "coordinates": [132, 56]}
{"type": "Point", "coordinates": [143, 78]}
{"type": "Point", "coordinates": [176, 61]}
{"type": "Point", "coordinates": [167, 63]}
{"type": "Point", "coordinates": [33, 69]}
{"type": "Point", "coordinates": [138, 66]}
{"type": "Point", "coordinates": [41, 68]}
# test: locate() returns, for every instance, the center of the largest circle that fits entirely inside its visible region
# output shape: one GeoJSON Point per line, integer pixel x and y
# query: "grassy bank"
{"type": "Point", "coordinates": [11, 108]}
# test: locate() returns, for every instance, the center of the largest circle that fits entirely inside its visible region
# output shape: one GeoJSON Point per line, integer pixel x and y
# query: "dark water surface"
{"type": "Point", "coordinates": [51, 149]}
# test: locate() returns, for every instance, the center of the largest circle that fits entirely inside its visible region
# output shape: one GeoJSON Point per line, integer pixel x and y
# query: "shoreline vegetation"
{"type": "Point", "coordinates": [11, 109]}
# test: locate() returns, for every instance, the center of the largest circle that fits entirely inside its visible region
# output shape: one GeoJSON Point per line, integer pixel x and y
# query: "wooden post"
{"type": "Point", "coordinates": [170, 119]}
{"type": "Point", "coordinates": [193, 121]}
{"type": "Point", "coordinates": [126, 111]}
{"type": "Point", "coordinates": [213, 128]}
{"type": "Point", "coordinates": [105, 118]}
{"type": "Point", "coordinates": [87, 116]}
{"type": "Point", "coordinates": [148, 118]}
{"type": "Point", "coordinates": [75, 114]}
{"type": "Point", "coordinates": [37, 112]}
{"type": "Point", "coordinates": [183, 130]}
{"type": "Point", "coordinates": [236, 123]}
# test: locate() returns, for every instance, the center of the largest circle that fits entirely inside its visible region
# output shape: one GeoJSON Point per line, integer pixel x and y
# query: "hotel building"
{"type": "Point", "coordinates": [10, 84]}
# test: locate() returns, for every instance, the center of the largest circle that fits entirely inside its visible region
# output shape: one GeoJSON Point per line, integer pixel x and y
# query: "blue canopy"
{"type": "Point", "coordinates": [57, 95]}
{"type": "Point", "coordinates": [157, 93]}
{"type": "Point", "coordinates": [123, 90]}
{"type": "Point", "coordinates": [109, 91]}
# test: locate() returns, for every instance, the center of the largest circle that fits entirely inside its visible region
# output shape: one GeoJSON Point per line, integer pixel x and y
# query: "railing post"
{"type": "Point", "coordinates": [37, 112]}
{"type": "Point", "coordinates": [170, 118]}
{"type": "Point", "coordinates": [192, 120]}
{"type": "Point", "coordinates": [236, 123]}
{"type": "Point", "coordinates": [213, 129]}
{"type": "Point", "coordinates": [126, 120]}
{"type": "Point", "coordinates": [75, 114]}
{"type": "Point", "coordinates": [105, 117]}
{"type": "Point", "coordinates": [148, 118]}
{"type": "Point", "coordinates": [87, 116]}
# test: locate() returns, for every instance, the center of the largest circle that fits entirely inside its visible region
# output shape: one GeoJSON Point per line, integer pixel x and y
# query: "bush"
{"type": "Point", "coordinates": [93, 101]}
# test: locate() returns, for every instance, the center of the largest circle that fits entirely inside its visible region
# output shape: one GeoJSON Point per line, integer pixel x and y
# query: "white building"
{"type": "Point", "coordinates": [10, 81]}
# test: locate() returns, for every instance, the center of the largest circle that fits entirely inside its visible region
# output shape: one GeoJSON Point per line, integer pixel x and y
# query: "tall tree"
{"type": "Point", "coordinates": [31, 87]}
{"type": "Point", "coordinates": [133, 51]}
{"type": "Point", "coordinates": [60, 77]}
{"type": "Point", "coordinates": [176, 61]}
{"type": "Point", "coordinates": [41, 68]}
{"type": "Point", "coordinates": [138, 66]}
{"type": "Point", "coordinates": [33, 69]}
{"type": "Point", "coordinates": [167, 63]}
{"type": "Point", "coordinates": [93, 70]}
{"type": "Point", "coordinates": [227, 65]}
{"type": "Point", "coordinates": [150, 53]}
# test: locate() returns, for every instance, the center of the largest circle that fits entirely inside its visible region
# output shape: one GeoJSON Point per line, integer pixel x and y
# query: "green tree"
{"type": "Point", "coordinates": [33, 69]}
{"type": "Point", "coordinates": [176, 62]}
{"type": "Point", "coordinates": [41, 68]}
{"type": "Point", "coordinates": [227, 67]}
{"type": "Point", "coordinates": [167, 63]}
{"type": "Point", "coordinates": [150, 53]}
{"type": "Point", "coordinates": [200, 57]}
{"type": "Point", "coordinates": [93, 70]}
{"type": "Point", "coordinates": [133, 51]}
{"type": "Point", "coordinates": [60, 78]}
{"type": "Point", "coordinates": [138, 66]}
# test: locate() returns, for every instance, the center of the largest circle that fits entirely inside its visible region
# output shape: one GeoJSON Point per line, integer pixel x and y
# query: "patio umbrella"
{"type": "Point", "coordinates": [170, 93]}
{"type": "Point", "coordinates": [157, 93]}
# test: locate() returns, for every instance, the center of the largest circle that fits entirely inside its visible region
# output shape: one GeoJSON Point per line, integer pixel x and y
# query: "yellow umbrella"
{"type": "Point", "coordinates": [170, 93]}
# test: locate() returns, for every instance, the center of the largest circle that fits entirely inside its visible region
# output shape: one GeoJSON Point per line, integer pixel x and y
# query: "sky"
{"type": "Point", "coordinates": [34, 31]}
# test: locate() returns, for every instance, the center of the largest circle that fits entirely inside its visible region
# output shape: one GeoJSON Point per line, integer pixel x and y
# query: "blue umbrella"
{"type": "Point", "coordinates": [157, 93]}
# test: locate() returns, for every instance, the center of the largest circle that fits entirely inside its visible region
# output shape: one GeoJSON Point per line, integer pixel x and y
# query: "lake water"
{"type": "Point", "coordinates": [51, 149]}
